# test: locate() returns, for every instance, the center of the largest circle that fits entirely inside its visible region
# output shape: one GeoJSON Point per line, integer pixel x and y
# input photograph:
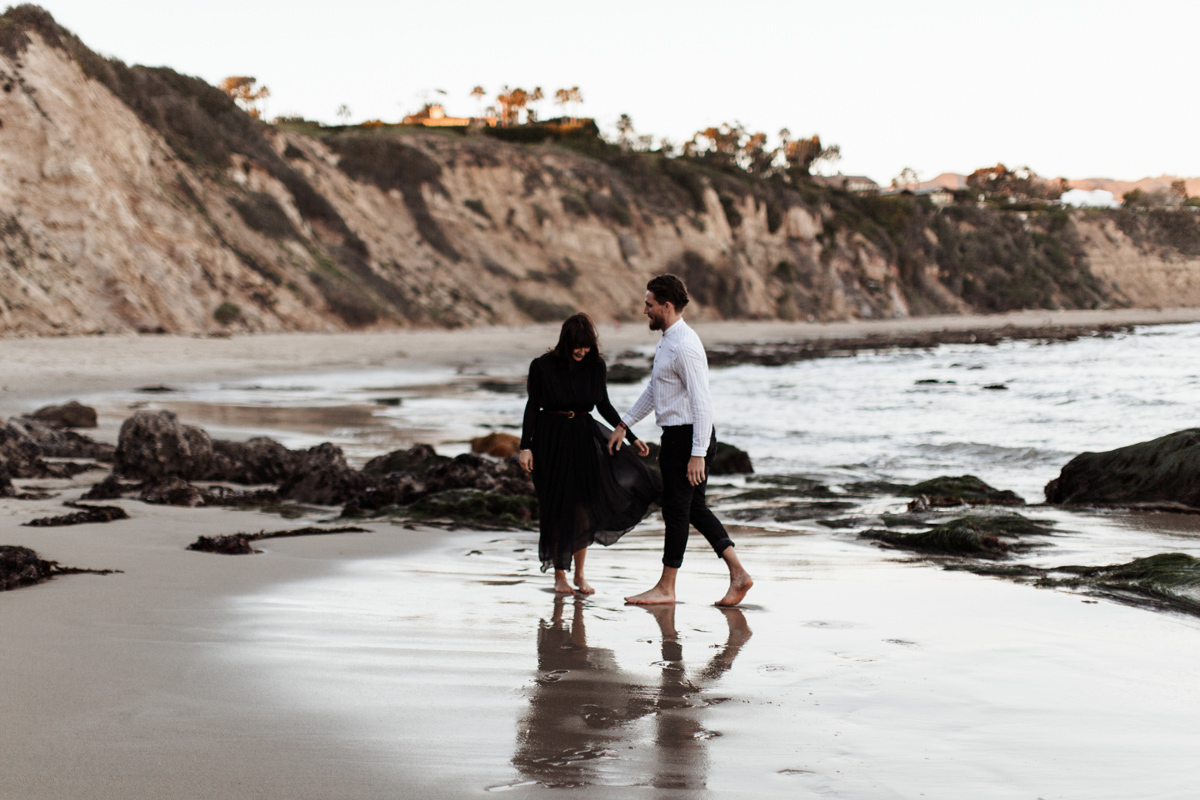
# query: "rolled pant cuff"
{"type": "Point", "coordinates": [721, 546]}
{"type": "Point", "coordinates": [675, 563]}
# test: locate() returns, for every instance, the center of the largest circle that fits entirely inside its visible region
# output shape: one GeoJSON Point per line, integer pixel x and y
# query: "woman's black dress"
{"type": "Point", "coordinates": [584, 494]}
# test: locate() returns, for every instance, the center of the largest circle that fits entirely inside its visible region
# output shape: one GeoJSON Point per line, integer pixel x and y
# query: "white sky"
{"type": "Point", "coordinates": [1095, 88]}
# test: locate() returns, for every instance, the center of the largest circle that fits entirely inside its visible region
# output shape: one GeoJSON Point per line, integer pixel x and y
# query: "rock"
{"type": "Point", "coordinates": [470, 471]}
{"type": "Point", "coordinates": [108, 489]}
{"type": "Point", "coordinates": [22, 455]}
{"type": "Point", "coordinates": [86, 514]}
{"type": "Point", "coordinates": [20, 566]}
{"type": "Point", "coordinates": [173, 491]}
{"type": "Point", "coordinates": [257, 460]}
{"type": "Point", "coordinates": [55, 442]}
{"type": "Point", "coordinates": [978, 536]}
{"type": "Point", "coordinates": [393, 489]}
{"type": "Point", "coordinates": [964, 489]}
{"type": "Point", "coordinates": [70, 415]}
{"type": "Point", "coordinates": [626, 373]}
{"type": "Point", "coordinates": [417, 459]}
{"type": "Point", "coordinates": [730, 460]}
{"type": "Point", "coordinates": [321, 477]}
{"type": "Point", "coordinates": [155, 444]}
{"type": "Point", "coordinates": [483, 509]}
{"type": "Point", "coordinates": [496, 444]}
{"type": "Point", "coordinates": [6, 485]}
{"type": "Point", "coordinates": [1166, 469]}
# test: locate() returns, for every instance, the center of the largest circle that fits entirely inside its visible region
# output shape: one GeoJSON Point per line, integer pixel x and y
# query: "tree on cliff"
{"type": "Point", "coordinates": [245, 92]}
{"type": "Point", "coordinates": [801, 155]}
{"type": "Point", "coordinates": [511, 102]}
{"type": "Point", "coordinates": [1021, 184]}
{"type": "Point", "coordinates": [478, 93]}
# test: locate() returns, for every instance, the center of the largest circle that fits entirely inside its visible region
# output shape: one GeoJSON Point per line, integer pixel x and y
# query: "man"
{"type": "Point", "coordinates": [679, 395]}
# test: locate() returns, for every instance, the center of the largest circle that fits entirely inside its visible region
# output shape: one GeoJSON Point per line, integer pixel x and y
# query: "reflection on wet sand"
{"type": "Point", "coordinates": [583, 726]}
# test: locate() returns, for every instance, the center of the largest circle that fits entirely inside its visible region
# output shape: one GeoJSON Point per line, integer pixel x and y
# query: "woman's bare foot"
{"type": "Point", "coordinates": [739, 584]}
{"type": "Point", "coordinates": [560, 583]}
{"type": "Point", "coordinates": [583, 586]}
{"type": "Point", "coordinates": [653, 597]}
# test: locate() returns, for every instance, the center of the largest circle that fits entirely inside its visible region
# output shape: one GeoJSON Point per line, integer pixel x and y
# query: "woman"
{"type": "Point", "coordinates": [584, 494]}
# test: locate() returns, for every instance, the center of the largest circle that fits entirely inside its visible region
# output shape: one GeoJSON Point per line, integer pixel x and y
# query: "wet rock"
{"type": "Point", "coordinates": [1166, 469]}
{"type": "Point", "coordinates": [470, 471]}
{"type": "Point", "coordinates": [55, 442]}
{"type": "Point", "coordinates": [110, 488]}
{"type": "Point", "coordinates": [173, 491]}
{"type": "Point", "coordinates": [322, 477]}
{"type": "Point", "coordinates": [956, 538]}
{"type": "Point", "coordinates": [237, 544]}
{"type": "Point", "coordinates": [417, 459]}
{"type": "Point", "coordinates": [996, 387]}
{"type": "Point", "coordinates": [963, 489]}
{"type": "Point", "coordinates": [6, 485]}
{"type": "Point", "coordinates": [224, 496]}
{"type": "Point", "coordinates": [393, 489]}
{"type": "Point", "coordinates": [791, 512]}
{"type": "Point", "coordinates": [496, 444]}
{"type": "Point", "coordinates": [86, 514]}
{"type": "Point", "coordinates": [69, 415]}
{"type": "Point", "coordinates": [730, 460]}
{"type": "Point", "coordinates": [155, 444]}
{"type": "Point", "coordinates": [782, 485]}
{"type": "Point", "coordinates": [626, 373]}
{"type": "Point", "coordinates": [870, 488]}
{"type": "Point", "coordinates": [474, 508]}
{"type": "Point", "coordinates": [257, 460]}
{"type": "Point", "coordinates": [20, 566]}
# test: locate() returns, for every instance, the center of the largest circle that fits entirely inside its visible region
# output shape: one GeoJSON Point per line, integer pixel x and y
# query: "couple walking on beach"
{"type": "Point", "coordinates": [591, 490]}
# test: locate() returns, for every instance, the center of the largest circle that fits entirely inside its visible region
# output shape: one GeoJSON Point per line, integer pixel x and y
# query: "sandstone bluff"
{"type": "Point", "coordinates": [138, 199]}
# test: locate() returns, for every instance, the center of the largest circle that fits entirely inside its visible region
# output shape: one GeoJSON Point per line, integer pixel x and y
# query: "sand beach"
{"type": "Point", "coordinates": [420, 662]}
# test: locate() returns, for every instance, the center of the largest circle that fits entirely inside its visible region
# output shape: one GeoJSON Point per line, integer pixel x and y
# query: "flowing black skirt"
{"type": "Point", "coordinates": [584, 494]}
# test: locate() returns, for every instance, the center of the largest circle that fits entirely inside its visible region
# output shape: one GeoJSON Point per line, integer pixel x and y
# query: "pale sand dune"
{"type": "Point", "coordinates": [44, 369]}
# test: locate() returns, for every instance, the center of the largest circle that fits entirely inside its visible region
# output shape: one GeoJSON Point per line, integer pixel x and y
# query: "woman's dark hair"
{"type": "Point", "coordinates": [578, 331]}
{"type": "Point", "coordinates": [669, 288]}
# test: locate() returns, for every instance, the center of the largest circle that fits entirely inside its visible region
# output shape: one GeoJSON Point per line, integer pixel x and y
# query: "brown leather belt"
{"type": "Point", "coordinates": [567, 414]}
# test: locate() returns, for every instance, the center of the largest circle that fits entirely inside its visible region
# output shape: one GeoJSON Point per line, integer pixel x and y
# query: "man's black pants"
{"type": "Point", "coordinates": [683, 504]}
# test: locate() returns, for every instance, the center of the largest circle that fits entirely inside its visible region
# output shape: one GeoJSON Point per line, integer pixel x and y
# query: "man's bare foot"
{"type": "Point", "coordinates": [653, 597]}
{"type": "Point", "coordinates": [583, 586]}
{"type": "Point", "coordinates": [738, 586]}
{"type": "Point", "coordinates": [560, 584]}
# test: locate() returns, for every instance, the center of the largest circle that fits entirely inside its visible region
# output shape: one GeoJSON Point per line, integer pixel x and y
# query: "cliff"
{"type": "Point", "coordinates": [138, 199]}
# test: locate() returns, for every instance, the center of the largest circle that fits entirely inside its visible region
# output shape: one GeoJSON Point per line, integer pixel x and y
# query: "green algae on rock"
{"type": "Point", "coordinates": [951, 491]}
{"type": "Point", "coordinates": [978, 536]}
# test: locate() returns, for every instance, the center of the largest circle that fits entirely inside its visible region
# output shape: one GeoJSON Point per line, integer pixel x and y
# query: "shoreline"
{"type": "Point", "coordinates": [37, 371]}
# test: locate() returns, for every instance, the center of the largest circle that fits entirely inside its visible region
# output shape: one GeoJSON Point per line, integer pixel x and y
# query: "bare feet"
{"type": "Point", "coordinates": [583, 586]}
{"type": "Point", "coordinates": [560, 583]}
{"type": "Point", "coordinates": [654, 597]}
{"type": "Point", "coordinates": [739, 584]}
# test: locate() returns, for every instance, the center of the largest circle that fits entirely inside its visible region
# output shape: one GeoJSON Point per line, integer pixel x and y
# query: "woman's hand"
{"type": "Point", "coordinates": [525, 459]}
{"type": "Point", "coordinates": [640, 446]}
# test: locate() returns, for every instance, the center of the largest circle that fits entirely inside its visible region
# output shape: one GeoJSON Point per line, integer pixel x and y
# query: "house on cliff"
{"type": "Point", "coordinates": [855, 184]}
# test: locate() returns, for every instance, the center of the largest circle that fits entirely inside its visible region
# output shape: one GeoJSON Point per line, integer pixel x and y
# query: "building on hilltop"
{"type": "Point", "coordinates": [856, 184]}
{"type": "Point", "coordinates": [433, 115]}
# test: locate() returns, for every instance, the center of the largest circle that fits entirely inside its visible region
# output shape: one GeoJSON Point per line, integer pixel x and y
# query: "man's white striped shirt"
{"type": "Point", "coordinates": [678, 392]}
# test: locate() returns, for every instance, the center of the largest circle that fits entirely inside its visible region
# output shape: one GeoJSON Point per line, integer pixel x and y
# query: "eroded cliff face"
{"type": "Point", "coordinates": [139, 200]}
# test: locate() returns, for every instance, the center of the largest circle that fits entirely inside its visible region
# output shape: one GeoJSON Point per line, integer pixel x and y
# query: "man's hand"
{"type": "Point", "coordinates": [640, 446]}
{"type": "Point", "coordinates": [614, 438]}
{"type": "Point", "coordinates": [525, 459]}
{"type": "Point", "coordinates": [696, 470]}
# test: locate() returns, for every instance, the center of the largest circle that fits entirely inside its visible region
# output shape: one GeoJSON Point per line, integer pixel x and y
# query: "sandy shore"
{"type": "Point", "coordinates": [46, 369]}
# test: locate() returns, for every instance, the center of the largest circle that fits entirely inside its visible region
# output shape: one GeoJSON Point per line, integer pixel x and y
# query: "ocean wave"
{"type": "Point", "coordinates": [991, 453]}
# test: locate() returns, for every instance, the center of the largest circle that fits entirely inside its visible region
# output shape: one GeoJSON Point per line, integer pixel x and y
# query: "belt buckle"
{"type": "Point", "coordinates": [570, 414]}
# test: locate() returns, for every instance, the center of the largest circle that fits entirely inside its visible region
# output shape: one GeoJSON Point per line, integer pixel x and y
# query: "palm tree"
{"type": "Point", "coordinates": [577, 99]}
{"type": "Point", "coordinates": [561, 98]}
{"type": "Point", "coordinates": [343, 113]}
{"type": "Point", "coordinates": [535, 97]}
{"type": "Point", "coordinates": [478, 93]}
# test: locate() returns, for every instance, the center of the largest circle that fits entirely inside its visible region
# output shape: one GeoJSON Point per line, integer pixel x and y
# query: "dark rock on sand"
{"type": "Point", "coordinates": [86, 514]}
{"type": "Point", "coordinates": [6, 485]}
{"type": "Point", "coordinates": [53, 442]}
{"type": "Point", "coordinates": [785, 486]}
{"type": "Point", "coordinates": [730, 460]}
{"type": "Point", "coordinates": [238, 544]}
{"type": "Point", "coordinates": [322, 477]}
{"type": "Point", "coordinates": [1163, 470]}
{"type": "Point", "coordinates": [257, 460]}
{"type": "Point", "coordinates": [23, 456]}
{"type": "Point", "coordinates": [393, 489]}
{"type": "Point", "coordinates": [977, 536]}
{"type": "Point", "coordinates": [172, 491]}
{"type": "Point", "coordinates": [110, 488]}
{"type": "Point", "coordinates": [626, 373]}
{"type": "Point", "coordinates": [155, 444]}
{"type": "Point", "coordinates": [70, 415]}
{"type": "Point", "coordinates": [417, 459]}
{"type": "Point", "coordinates": [20, 566]}
{"type": "Point", "coordinates": [954, 491]}
{"type": "Point", "coordinates": [481, 509]}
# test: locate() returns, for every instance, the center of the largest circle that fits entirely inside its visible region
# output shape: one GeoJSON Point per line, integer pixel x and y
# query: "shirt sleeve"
{"type": "Point", "coordinates": [643, 406]}
{"type": "Point", "coordinates": [605, 406]}
{"type": "Point", "coordinates": [693, 368]}
{"type": "Point", "coordinates": [534, 387]}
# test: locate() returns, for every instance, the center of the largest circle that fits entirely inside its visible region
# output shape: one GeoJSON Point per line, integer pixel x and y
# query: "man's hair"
{"type": "Point", "coordinates": [669, 288]}
{"type": "Point", "coordinates": [577, 331]}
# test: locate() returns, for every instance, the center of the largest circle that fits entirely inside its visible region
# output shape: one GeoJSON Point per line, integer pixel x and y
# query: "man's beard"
{"type": "Point", "coordinates": [656, 324]}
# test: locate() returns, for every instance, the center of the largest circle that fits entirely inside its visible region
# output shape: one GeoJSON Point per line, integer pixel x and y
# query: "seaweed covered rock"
{"type": "Point", "coordinates": [257, 460]}
{"type": "Point", "coordinates": [474, 508]}
{"type": "Point", "coordinates": [6, 485]}
{"type": "Point", "coordinates": [322, 477]}
{"type": "Point", "coordinates": [155, 444]}
{"type": "Point", "coordinates": [496, 444]}
{"type": "Point", "coordinates": [955, 538]}
{"type": "Point", "coordinates": [963, 489]}
{"type": "Point", "coordinates": [730, 460]}
{"type": "Point", "coordinates": [1166, 469]}
{"type": "Point", "coordinates": [238, 544]}
{"type": "Point", "coordinates": [20, 566]}
{"type": "Point", "coordinates": [470, 471]}
{"type": "Point", "coordinates": [110, 488]}
{"type": "Point", "coordinates": [53, 442]}
{"type": "Point", "coordinates": [393, 489]}
{"type": "Point", "coordinates": [69, 415]}
{"type": "Point", "coordinates": [23, 456]}
{"type": "Point", "coordinates": [84, 515]}
{"type": "Point", "coordinates": [417, 459]}
{"type": "Point", "coordinates": [172, 491]}
{"type": "Point", "coordinates": [1167, 579]}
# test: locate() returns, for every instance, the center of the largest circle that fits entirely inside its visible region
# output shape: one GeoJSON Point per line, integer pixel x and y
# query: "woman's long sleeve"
{"type": "Point", "coordinates": [605, 406]}
{"type": "Point", "coordinates": [533, 386]}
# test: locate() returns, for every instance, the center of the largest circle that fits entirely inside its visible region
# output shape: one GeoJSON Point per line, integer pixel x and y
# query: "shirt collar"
{"type": "Point", "coordinates": [676, 326]}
